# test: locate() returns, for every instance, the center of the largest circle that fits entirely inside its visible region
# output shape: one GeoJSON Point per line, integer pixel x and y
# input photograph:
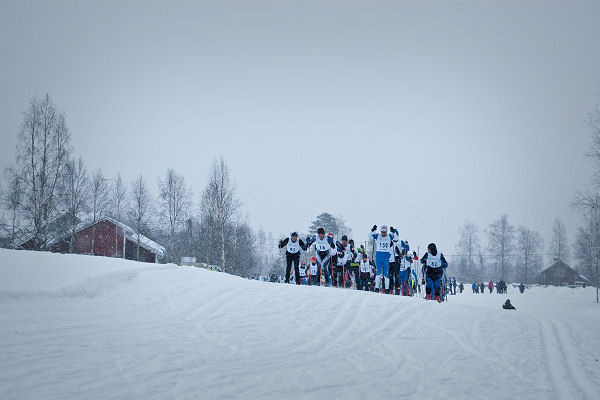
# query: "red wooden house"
{"type": "Point", "coordinates": [106, 237]}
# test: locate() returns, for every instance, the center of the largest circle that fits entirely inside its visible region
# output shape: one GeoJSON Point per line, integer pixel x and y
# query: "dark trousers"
{"type": "Point", "coordinates": [292, 259]}
{"type": "Point", "coordinates": [394, 270]}
{"type": "Point", "coordinates": [364, 281]}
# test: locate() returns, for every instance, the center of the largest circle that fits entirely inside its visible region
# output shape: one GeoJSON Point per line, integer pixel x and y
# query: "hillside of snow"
{"type": "Point", "coordinates": [81, 327]}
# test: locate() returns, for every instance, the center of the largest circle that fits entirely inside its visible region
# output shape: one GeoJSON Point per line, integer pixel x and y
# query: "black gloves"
{"type": "Point", "coordinates": [374, 228]}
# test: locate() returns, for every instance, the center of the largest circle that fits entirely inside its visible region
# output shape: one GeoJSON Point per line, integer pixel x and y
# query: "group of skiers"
{"type": "Point", "coordinates": [501, 287]}
{"type": "Point", "coordinates": [340, 264]}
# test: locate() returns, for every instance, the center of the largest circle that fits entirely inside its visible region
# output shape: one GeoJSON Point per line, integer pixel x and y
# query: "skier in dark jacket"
{"type": "Point", "coordinates": [434, 265]}
{"type": "Point", "coordinates": [292, 255]}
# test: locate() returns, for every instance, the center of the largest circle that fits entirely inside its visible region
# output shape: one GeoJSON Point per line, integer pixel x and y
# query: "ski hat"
{"type": "Point", "coordinates": [321, 231]}
{"type": "Point", "coordinates": [432, 249]}
{"type": "Point", "coordinates": [314, 259]}
{"type": "Point", "coordinates": [330, 235]}
{"type": "Point", "coordinates": [344, 237]}
{"type": "Point", "coordinates": [294, 234]}
{"type": "Point", "coordinates": [351, 241]}
{"type": "Point", "coordinates": [383, 228]}
{"type": "Point", "coordinates": [365, 255]}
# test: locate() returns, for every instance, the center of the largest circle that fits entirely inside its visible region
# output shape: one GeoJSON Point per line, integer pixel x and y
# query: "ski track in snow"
{"type": "Point", "coordinates": [125, 330]}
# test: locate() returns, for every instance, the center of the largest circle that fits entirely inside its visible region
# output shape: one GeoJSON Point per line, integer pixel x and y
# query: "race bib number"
{"type": "Point", "coordinates": [383, 246]}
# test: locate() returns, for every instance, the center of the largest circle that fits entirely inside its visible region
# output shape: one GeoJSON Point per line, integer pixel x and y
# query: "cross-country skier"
{"type": "Point", "coordinates": [384, 242]}
{"type": "Point", "coordinates": [292, 255]}
{"type": "Point", "coordinates": [303, 273]}
{"type": "Point", "coordinates": [461, 287]}
{"type": "Point", "coordinates": [342, 261]}
{"type": "Point", "coordinates": [365, 273]}
{"type": "Point", "coordinates": [323, 246]}
{"type": "Point", "coordinates": [405, 267]}
{"type": "Point", "coordinates": [434, 265]}
{"type": "Point", "coordinates": [395, 260]}
{"type": "Point", "coordinates": [313, 271]}
{"type": "Point", "coordinates": [354, 262]}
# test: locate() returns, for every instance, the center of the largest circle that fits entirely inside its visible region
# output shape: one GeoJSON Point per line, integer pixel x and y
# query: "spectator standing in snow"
{"type": "Point", "coordinates": [521, 287]}
{"type": "Point", "coordinates": [491, 286]}
{"type": "Point", "coordinates": [461, 287]}
{"type": "Point", "coordinates": [481, 287]}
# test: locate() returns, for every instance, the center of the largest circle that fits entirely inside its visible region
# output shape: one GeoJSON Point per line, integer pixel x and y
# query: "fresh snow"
{"type": "Point", "coordinates": [82, 327]}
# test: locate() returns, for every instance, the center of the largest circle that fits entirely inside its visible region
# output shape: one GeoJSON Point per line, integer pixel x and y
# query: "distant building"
{"type": "Point", "coordinates": [559, 274]}
{"type": "Point", "coordinates": [106, 237]}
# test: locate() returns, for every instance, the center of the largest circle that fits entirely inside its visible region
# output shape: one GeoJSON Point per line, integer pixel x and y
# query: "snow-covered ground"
{"type": "Point", "coordinates": [80, 327]}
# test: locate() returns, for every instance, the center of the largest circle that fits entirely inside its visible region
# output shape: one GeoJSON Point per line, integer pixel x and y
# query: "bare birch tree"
{"type": "Point", "coordinates": [11, 200]}
{"type": "Point", "coordinates": [558, 246]}
{"type": "Point", "coordinates": [501, 236]}
{"type": "Point", "coordinates": [175, 202]}
{"type": "Point", "coordinates": [587, 242]}
{"type": "Point", "coordinates": [74, 194]}
{"type": "Point", "coordinates": [118, 199]}
{"type": "Point", "coordinates": [139, 208]}
{"type": "Point", "coordinates": [219, 202]}
{"type": "Point", "coordinates": [468, 246]}
{"type": "Point", "coordinates": [530, 259]}
{"type": "Point", "coordinates": [43, 148]}
{"type": "Point", "coordinates": [98, 201]}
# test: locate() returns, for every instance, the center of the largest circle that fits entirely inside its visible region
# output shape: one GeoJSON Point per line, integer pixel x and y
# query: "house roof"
{"type": "Point", "coordinates": [562, 265]}
{"type": "Point", "coordinates": [557, 264]}
{"type": "Point", "coordinates": [130, 234]}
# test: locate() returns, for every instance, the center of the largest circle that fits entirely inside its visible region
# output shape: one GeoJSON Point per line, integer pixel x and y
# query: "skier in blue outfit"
{"type": "Point", "coordinates": [384, 246]}
{"type": "Point", "coordinates": [323, 247]}
{"type": "Point", "coordinates": [405, 268]}
{"type": "Point", "coordinates": [434, 265]}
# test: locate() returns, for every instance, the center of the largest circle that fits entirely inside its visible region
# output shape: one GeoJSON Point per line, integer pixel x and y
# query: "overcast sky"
{"type": "Point", "coordinates": [417, 114]}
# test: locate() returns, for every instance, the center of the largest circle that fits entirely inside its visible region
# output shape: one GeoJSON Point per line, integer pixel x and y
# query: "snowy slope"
{"type": "Point", "coordinates": [74, 327]}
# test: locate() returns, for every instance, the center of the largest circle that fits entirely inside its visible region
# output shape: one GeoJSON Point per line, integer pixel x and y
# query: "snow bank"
{"type": "Point", "coordinates": [92, 327]}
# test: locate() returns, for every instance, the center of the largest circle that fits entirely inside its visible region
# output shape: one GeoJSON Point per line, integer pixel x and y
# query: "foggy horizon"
{"type": "Point", "coordinates": [416, 115]}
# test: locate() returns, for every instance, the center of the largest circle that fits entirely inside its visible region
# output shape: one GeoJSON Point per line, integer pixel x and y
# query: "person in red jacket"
{"type": "Point", "coordinates": [491, 286]}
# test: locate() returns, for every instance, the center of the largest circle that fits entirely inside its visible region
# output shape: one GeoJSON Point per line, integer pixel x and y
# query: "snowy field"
{"type": "Point", "coordinates": [80, 327]}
